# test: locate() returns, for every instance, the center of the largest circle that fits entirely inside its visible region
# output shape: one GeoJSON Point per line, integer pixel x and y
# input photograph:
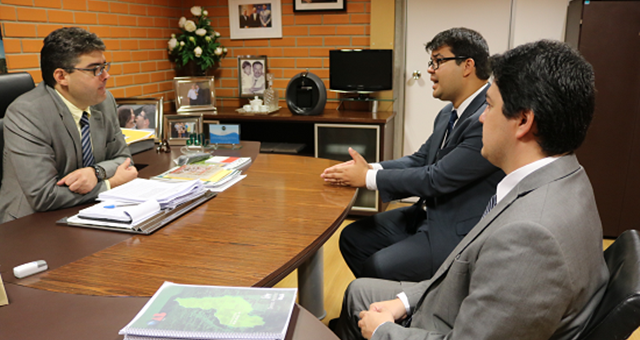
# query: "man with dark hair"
{"type": "Point", "coordinates": [146, 117]}
{"type": "Point", "coordinates": [448, 173]}
{"type": "Point", "coordinates": [63, 143]}
{"type": "Point", "coordinates": [532, 268]}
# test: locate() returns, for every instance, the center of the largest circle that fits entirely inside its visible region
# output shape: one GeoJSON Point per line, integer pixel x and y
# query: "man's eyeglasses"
{"type": "Point", "coordinates": [435, 63]}
{"type": "Point", "coordinates": [97, 70]}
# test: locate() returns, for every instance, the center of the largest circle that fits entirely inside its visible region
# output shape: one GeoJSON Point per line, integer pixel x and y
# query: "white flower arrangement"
{"type": "Point", "coordinates": [198, 41]}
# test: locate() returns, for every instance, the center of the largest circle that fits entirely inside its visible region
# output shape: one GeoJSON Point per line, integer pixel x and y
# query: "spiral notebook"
{"type": "Point", "coordinates": [179, 312]}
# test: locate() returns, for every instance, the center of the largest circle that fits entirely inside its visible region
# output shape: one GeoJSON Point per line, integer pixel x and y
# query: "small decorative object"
{"type": "Point", "coordinates": [252, 71]}
{"type": "Point", "coordinates": [309, 5]}
{"type": "Point", "coordinates": [250, 19]}
{"type": "Point", "coordinates": [270, 94]}
{"type": "Point", "coordinates": [256, 103]}
{"type": "Point", "coordinates": [194, 94]}
{"type": "Point", "coordinates": [179, 128]}
{"type": "Point", "coordinates": [196, 49]}
{"type": "Point", "coordinates": [141, 114]}
{"type": "Point", "coordinates": [306, 94]}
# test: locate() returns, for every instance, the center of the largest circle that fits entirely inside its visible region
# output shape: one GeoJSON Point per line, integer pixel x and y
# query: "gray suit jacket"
{"type": "Point", "coordinates": [455, 181]}
{"type": "Point", "coordinates": [531, 269]}
{"type": "Point", "coordinates": [42, 145]}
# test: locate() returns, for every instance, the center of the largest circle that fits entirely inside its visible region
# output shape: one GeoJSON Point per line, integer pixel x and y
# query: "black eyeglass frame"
{"type": "Point", "coordinates": [102, 67]}
{"type": "Point", "coordinates": [439, 61]}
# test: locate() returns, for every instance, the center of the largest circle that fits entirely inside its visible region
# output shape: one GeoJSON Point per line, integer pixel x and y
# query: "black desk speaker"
{"type": "Point", "coordinates": [306, 94]}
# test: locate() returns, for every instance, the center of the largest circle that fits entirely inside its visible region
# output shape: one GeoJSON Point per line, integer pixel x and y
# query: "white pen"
{"type": "Point", "coordinates": [29, 268]}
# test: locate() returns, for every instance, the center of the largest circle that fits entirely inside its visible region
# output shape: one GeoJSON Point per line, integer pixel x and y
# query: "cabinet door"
{"type": "Point", "coordinates": [333, 142]}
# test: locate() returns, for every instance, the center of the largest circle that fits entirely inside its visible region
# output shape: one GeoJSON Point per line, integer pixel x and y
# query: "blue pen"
{"type": "Point", "coordinates": [112, 206]}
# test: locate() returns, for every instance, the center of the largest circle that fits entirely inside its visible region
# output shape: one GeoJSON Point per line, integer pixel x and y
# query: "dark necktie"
{"type": "Point", "coordinates": [452, 121]}
{"type": "Point", "coordinates": [87, 152]}
{"type": "Point", "coordinates": [492, 203]}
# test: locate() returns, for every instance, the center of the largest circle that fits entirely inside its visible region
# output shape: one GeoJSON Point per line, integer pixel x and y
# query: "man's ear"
{"type": "Point", "coordinates": [526, 124]}
{"type": "Point", "coordinates": [61, 76]}
{"type": "Point", "coordinates": [469, 67]}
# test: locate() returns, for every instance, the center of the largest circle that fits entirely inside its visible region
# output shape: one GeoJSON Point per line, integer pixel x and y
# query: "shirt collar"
{"type": "Point", "coordinates": [469, 99]}
{"type": "Point", "coordinates": [75, 111]}
{"type": "Point", "coordinates": [511, 180]}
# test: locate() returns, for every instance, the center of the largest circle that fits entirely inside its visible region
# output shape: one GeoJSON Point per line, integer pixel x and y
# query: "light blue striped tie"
{"type": "Point", "coordinates": [492, 203]}
{"type": "Point", "coordinates": [87, 152]}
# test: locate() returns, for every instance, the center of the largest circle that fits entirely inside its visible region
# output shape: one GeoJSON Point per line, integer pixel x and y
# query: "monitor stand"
{"type": "Point", "coordinates": [365, 97]}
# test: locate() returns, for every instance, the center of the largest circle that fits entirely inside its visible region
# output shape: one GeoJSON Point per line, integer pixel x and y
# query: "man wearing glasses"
{"type": "Point", "coordinates": [448, 173]}
{"type": "Point", "coordinates": [63, 144]}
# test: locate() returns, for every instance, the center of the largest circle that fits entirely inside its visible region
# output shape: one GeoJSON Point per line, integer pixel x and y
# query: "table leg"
{"type": "Point", "coordinates": [311, 285]}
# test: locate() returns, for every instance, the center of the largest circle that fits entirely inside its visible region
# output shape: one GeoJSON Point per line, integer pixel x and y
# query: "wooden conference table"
{"type": "Point", "coordinates": [253, 234]}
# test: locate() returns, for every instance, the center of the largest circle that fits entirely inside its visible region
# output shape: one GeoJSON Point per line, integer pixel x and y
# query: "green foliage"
{"type": "Point", "coordinates": [196, 33]}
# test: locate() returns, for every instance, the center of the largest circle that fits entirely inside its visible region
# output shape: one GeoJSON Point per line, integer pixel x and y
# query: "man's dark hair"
{"type": "Point", "coordinates": [556, 83]}
{"type": "Point", "coordinates": [63, 48]}
{"type": "Point", "coordinates": [124, 114]}
{"type": "Point", "coordinates": [464, 42]}
{"type": "Point", "coordinates": [149, 113]}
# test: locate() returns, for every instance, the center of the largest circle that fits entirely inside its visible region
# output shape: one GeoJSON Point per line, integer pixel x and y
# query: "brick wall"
{"type": "Point", "coordinates": [136, 34]}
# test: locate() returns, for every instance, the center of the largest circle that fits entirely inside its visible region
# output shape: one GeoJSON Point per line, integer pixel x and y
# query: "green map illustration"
{"type": "Point", "coordinates": [193, 309]}
{"type": "Point", "coordinates": [232, 311]}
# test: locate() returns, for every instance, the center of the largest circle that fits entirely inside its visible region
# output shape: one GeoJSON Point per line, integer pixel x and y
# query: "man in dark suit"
{"type": "Point", "coordinates": [63, 143]}
{"type": "Point", "coordinates": [532, 268]}
{"type": "Point", "coordinates": [448, 173]}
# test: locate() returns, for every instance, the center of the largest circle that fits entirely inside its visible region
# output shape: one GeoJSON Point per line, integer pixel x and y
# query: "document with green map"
{"type": "Point", "coordinates": [179, 311]}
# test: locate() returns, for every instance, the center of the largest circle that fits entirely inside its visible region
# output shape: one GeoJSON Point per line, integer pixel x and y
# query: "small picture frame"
{"type": "Point", "coordinates": [255, 19]}
{"type": "Point", "coordinates": [224, 134]}
{"type": "Point", "coordinates": [178, 128]}
{"type": "Point", "coordinates": [252, 75]}
{"type": "Point", "coordinates": [319, 5]}
{"type": "Point", "coordinates": [141, 114]}
{"type": "Point", "coordinates": [194, 94]}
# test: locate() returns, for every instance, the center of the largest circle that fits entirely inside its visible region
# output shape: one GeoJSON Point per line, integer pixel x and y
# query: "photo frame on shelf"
{"type": "Point", "coordinates": [179, 128]}
{"type": "Point", "coordinates": [194, 94]}
{"type": "Point", "coordinates": [252, 75]}
{"type": "Point", "coordinates": [319, 5]}
{"type": "Point", "coordinates": [141, 114]}
{"type": "Point", "coordinates": [255, 19]}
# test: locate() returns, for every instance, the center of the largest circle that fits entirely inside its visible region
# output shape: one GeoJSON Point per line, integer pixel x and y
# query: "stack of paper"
{"type": "Point", "coordinates": [178, 311]}
{"type": "Point", "coordinates": [135, 135]}
{"type": "Point", "coordinates": [167, 194]}
{"type": "Point", "coordinates": [229, 162]}
{"type": "Point", "coordinates": [213, 176]}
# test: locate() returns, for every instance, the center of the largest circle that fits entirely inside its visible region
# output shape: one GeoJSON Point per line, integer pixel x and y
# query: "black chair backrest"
{"type": "Point", "coordinates": [618, 314]}
{"type": "Point", "coordinates": [12, 85]}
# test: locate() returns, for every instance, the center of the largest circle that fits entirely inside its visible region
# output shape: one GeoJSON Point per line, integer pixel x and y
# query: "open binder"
{"type": "Point", "coordinates": [162, 218]}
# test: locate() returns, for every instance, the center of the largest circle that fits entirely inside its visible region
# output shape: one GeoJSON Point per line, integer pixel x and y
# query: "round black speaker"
{"type": "Point", "coordinates": [306, 94]}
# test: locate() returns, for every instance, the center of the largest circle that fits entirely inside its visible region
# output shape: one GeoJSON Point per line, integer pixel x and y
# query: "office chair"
{"type": "Point", "coordinates": [618, 314]}
{"type": "Point", "coordinates": [12, 85]}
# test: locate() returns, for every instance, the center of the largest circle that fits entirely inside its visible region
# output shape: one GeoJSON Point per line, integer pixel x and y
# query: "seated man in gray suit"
{"type": "Point", "coordinates": [448, 173]}
{"type": "Point", "coordinates": [63, 143]}
{"type": "Point", "coordinates": [532, 268]}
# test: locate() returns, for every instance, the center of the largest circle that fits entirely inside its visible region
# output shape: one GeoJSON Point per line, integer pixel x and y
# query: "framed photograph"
{"type": "Point", "coordinates": [194, 94]}
{"type": "Point", "coordinates": [179, 128]}
{"type": "Point", "coordinates": [255, 19]}
{"type": "Point", "coordinates": [319, 5]}
{"type": "Point", "coordinates": [252, 75]}
{"type": "Point", "coordinates": [141, 114]}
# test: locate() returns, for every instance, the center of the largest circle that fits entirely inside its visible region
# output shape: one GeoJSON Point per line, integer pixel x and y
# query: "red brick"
{"type": "Point", "coordinates": [36, 75]}
{"type": "Point", "coordinates": [138, 10]}
{"type": "Point", "coordinates": [282, 62]}
{"type": "Point", "coordinates": [101, 31]}
{"type": "Point", "coordinates": [337, 41]}
{"type": "Point", "coordinates": [123, 80]}
{"type": "Point", "coordinates": [154, 11]}
{"type": "Point", "coordinates": [311, 41]}
{"type": "Point", "coordinates": [30, 46]}
{"type": "Point", "coordinates": [13, 45]}
{"type": "Point", "coordinates": [309, 62]}
{"type": "Point", "coordinates": [161, 22]}
{"type": "Point", "coordinates": [164, 65]}
{"type": "Point", "coordinates": [149, 89]}
{"type": "Point", "coordinates": [19, 30]}
{"type": "Point", "coordinates": [295, 30]}
{"type": "Point", "coordinates": [141, 78]}
{"type": "Point", "coordinates": [360, 18]}
{"type": "Point", "coordinates": [108, 19]}
{"type": "Point", "coordinates": [158, 55]}
{"type": "Point", "coordinates": [45, 3]}
{"type": "Point", "coordinates": [129, 68]}
{"type": "Point", "coordinates": [134, 91]}
{"type": "Point", "coordinates": [335, 19]}
{"type": "Point", "coordinates": [65, 17]}
{"type": "Point", "coordinates": [326, 30]}
{"type": "Point", "coordinates": [313, 19]}
{"type": "Point", "coordinates": [157, 33]}
{"type": "Point", "coordinates": [139, 55]}
{"type": "Point", "coordinates": [116, 7]}
{"type": "Point", "coordinates": [157, 76]}
{"type": "Point", "coordinates": [148, 66]}
{"type": "Point", "coordinates": [122, 56]}
{"type": "Point", "coordinates": [145, 21]}
{"type": "Point", "coordinates": [319, 52]}
{"type": "Point", "coordinates": [120, 32]}
{"type": "Point", "coordinates": [129, 44]}
{"type": "Point", "coordinates": [116, 69]}
{"type": "Point", "coordinates": [362, 42]}
{"type": "Point", "coordinates": [86, 18]}
{"type": "Point", "coordinates": [98, 6]}
{"type": "Point", "coordinates": [286, 41]}
{"type": "Point", "coordinates": [118, 93]}
{"type": "Point", "coordinates": [256, 43]}
{"type": "Point", "coordinates": [355, 7]}
{"type": "Point", "coordinates": [288, 20]}
{"type": "Point", "coordinates": [112, 44]}
{"type": "Point", "coordinates": [350, 30]}
{"type": "Point", "coordinates": [296, 52]}
{"type": "Point", "coordinates": [271, 52]}
{"type": "Point", "coordinates": [44, 29]}
{"type": "Point", "coordinates": [20, 61]}
{"type": "Point", "coordinates": [78, 5]}
{"type": "Point", "coordinates": [287, 8]}
{"type": "Point", "coordinates": [18, 2]}
{"type": "Point", "coordinates": [147, 44]}
{"type": "Point", "coordinates": [7, 13]}
{"type": "Point", "coordinates": [138, 32]}
{"type": "Point", "coordinates": [167, 86]}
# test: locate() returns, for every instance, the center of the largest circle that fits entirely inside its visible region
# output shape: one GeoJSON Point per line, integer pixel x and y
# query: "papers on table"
{"type": "Point", "coordinates": [135, 135]}
{"type": "Point", "coordinates": [121, 212]}
{"type": "Point", "coordinates": [167, 194]}
{"type": "Point", "coordinates": [229, 162]}
{"type": "Point", "coordinates": [213, 176]}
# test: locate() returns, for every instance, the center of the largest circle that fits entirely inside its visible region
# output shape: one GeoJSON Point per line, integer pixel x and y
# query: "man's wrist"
{"type": "Point", "coordinates": [100, 173]}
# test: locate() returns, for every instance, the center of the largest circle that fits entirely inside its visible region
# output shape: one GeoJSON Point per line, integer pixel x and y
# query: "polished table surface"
{"type": "Point", "coordinates": [253, 234]}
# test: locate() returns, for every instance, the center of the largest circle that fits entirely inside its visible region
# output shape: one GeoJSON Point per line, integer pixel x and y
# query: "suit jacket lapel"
{"type": "Point", "coordinates": [98, 138]}
{"type": "Point", "coordinates": [474, 106]}
{"type": "Point", "coordinates": [67, 120]}
{"type": "Point", "coordinates": [438, 133]}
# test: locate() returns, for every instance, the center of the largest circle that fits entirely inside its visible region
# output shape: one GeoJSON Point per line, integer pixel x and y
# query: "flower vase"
{"type": "Point", "coordinates": [192, 69]}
